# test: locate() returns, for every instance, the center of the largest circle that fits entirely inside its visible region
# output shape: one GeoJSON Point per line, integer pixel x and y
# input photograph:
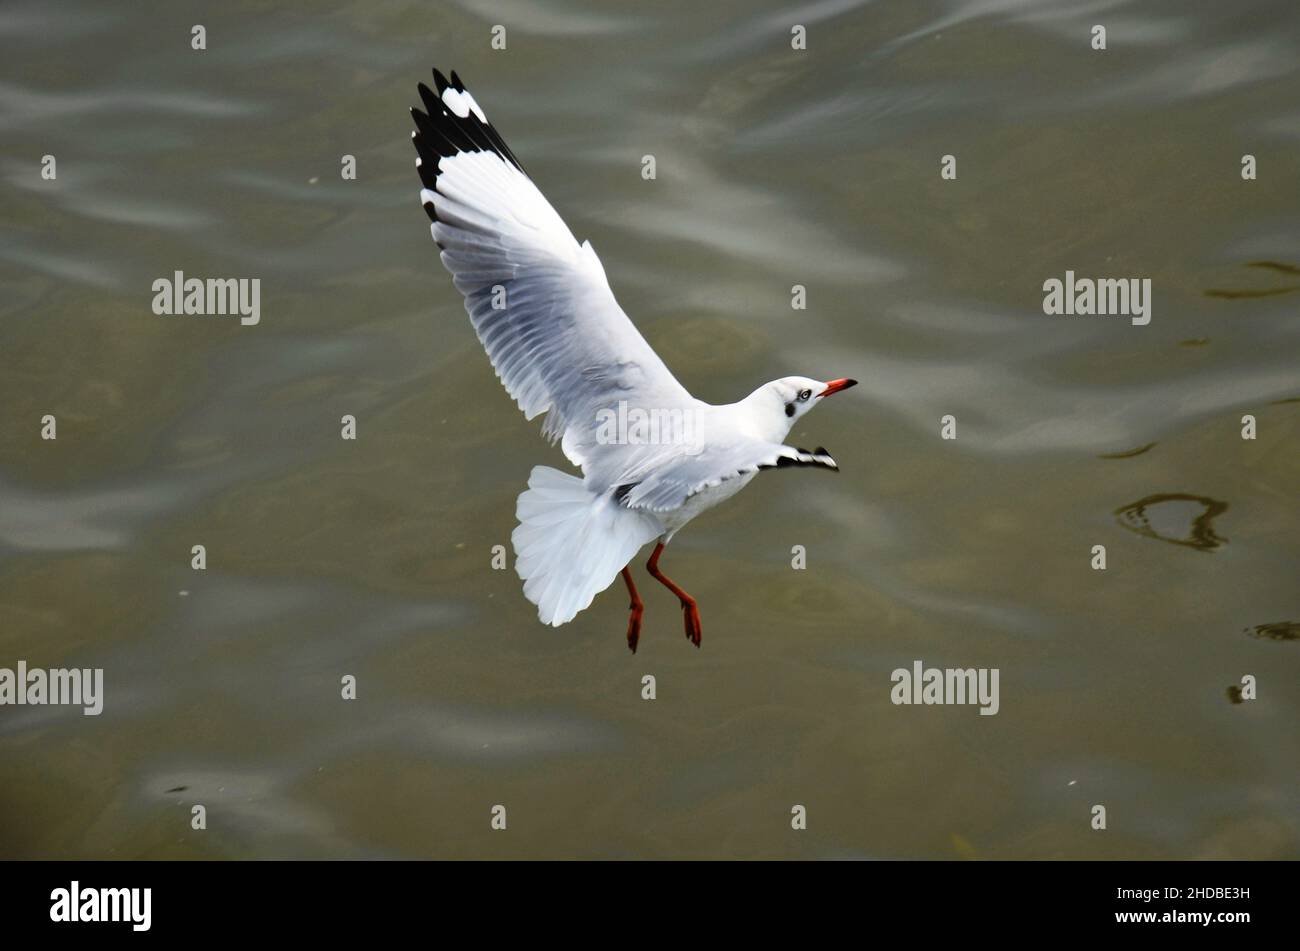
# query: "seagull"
{"type": "Point", "coordinates": [652, 456]}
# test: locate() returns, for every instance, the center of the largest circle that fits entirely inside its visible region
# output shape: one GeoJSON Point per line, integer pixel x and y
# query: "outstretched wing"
{"type": "Point", "coordinates": [539, 301]}
{"type": "Point", "coordinates": [662, 487]}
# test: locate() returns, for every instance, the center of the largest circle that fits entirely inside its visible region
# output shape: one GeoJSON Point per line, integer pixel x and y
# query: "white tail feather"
{"type": "Point", "coordinates": [571, 544]}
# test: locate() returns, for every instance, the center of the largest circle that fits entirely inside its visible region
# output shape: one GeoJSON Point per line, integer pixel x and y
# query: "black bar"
{"type": "Point", "coordinates": [329, 900]}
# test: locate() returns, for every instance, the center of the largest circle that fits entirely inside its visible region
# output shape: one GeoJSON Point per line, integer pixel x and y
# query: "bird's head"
{"type": "Point", "coordinates": [781, 403]}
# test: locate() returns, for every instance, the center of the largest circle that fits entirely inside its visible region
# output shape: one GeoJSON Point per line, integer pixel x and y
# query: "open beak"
{"type": "Point", "coordinates": [834, 386]}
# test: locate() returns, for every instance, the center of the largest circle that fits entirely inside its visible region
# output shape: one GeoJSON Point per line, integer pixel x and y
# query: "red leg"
{"type": "Point", "coordinates": [634, 619]}
{"type": "Point", "coordinates": [690, 612]}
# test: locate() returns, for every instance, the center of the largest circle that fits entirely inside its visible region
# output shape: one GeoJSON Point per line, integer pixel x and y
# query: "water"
{"type": "Point", "coordinates": [372, 558]}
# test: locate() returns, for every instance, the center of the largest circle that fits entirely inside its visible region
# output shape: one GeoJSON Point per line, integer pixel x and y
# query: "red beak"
{"type": "Point", "coordinates": [834, 386]}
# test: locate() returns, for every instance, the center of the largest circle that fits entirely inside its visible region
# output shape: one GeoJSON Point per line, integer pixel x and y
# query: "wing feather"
{"type": "Point", "coordinates": [539, 301]}
{"type": "Point", "coordinates": [661, 486]}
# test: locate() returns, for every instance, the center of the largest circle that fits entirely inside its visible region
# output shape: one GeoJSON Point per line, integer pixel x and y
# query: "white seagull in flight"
{"type": "Point", "coordinates": [652, 456]}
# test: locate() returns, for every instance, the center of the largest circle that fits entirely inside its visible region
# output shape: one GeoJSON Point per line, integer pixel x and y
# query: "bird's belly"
{"type": "Point", "coordinates": [702, 500]}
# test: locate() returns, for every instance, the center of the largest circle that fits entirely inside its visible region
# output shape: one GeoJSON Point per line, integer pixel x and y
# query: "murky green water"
{"type": "Point", "coordinates": [775, 167]}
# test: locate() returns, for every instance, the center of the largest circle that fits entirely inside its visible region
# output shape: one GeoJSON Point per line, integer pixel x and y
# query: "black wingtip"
{"type": "Point", "coordinates": [432, 104]}
{"type": "Point", "coordinates": [441, 134]}
{"type": "Point", "coordinates": [818, 457]}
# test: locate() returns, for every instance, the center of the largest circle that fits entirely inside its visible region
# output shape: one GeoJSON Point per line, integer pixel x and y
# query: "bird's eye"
{"type": "Point", "coordinates": [804, 394]}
